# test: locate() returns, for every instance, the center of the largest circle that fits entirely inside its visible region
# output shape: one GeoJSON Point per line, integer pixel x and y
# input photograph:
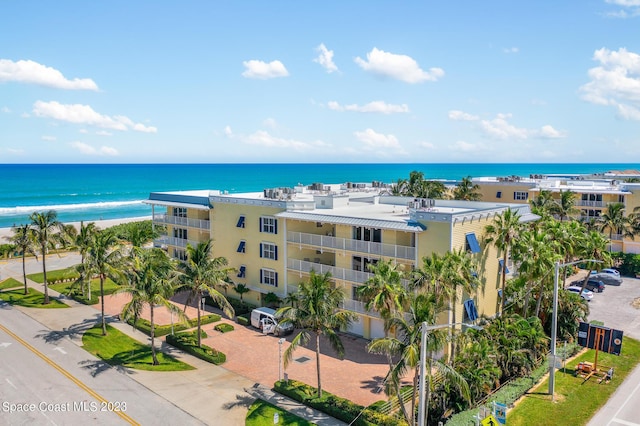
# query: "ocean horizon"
{"type": "Point", "coordinates": [115, 191]}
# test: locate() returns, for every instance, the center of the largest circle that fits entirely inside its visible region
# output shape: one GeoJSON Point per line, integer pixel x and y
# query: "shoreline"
{"type": "Point", "coordinates": [102, 224]}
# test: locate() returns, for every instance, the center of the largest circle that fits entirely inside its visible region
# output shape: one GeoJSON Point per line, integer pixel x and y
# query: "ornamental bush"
{"type": "Point", "coordinates": [188, 342]}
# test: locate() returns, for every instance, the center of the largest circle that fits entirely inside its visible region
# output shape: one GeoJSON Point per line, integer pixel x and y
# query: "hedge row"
{"type": "Point", "coordinates": [223, 327]}
{"type": "Point", "coordinates": [335, 406]}
{"type": "Point", "coordinates": [162, 330]}
{"type": "Point", "coordinates": [242, 319]}
{"type": "Point", "coordinates": [188, 342]}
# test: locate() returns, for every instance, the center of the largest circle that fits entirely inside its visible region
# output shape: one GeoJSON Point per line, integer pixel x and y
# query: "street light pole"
{"type": "Point", "coordinates": [280, 342]}
{"type": "Point", "coordinates": [554, 321]}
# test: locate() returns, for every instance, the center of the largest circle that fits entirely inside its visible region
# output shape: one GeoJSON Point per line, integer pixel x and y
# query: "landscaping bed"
{"type": "Point", "coordinates": [164, 329]}
{"type": "Point", "coordinates": [33, 299]}
{"type": "Point", "coordinates": [188, 342]}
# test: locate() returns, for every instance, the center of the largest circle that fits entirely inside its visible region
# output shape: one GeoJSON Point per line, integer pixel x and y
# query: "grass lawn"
{"type": "Point", "coordinates": [68, 273]}
{"type": "Point", "coordinates": [116, 348]}
{"type": "Point", "coordinates": [109, 288]}
{"type": "Point", "coordinates": [576, 401]}
{"type": "Point", "coordinates": [10, 283]}
{"type": "Point", "coordinates": [34, 299]}
{"type": "Point", "coordinates": [261, 414]}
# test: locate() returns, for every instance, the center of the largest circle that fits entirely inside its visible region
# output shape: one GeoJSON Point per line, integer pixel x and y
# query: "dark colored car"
{"type": "Point", "coordinates": [593, 285]}
{"type": "Point", "coordinates": [608, 279]}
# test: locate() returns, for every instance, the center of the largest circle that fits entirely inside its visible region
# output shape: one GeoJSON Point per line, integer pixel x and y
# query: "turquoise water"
{"type": "Point", "coordinates": [108, 191]}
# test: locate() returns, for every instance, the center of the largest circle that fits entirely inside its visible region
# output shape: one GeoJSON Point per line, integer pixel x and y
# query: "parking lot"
{"type": "Point", "coordinates": [619, 307]}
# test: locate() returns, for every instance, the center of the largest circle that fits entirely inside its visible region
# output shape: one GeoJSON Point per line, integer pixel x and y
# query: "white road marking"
{"type": "Point", "coordinates": [624, 422]}
{"type": "Point", "coordinates": [59, 349]}
{"type": "Point", "coordinates": [5, 344]}
{"type": "Point", "coordinates": [9, 381]}
{"type": "Point", "coordinates": [626, 401]}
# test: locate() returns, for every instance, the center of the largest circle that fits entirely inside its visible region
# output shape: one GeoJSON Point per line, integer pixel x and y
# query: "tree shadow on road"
{"type": "Point", "coordinates": [71, 332]}
{"type": "Point", "coordinates": [375, 384]}
{"type": "Point", "coordinates": [96, 367]}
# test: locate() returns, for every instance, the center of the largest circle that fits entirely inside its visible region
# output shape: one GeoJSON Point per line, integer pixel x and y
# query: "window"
{"type": "Point", "coordinates": [269, 251]}
{"type": "Point", "coordinates": [362, 233]}
{"type": "Point", "coordinates": [520, 195]}
{"type": "Point", "coordinates": [180, 211]}
{"type": "Point", "coordinates": [590, 213]}
{"type": "Point", "coordinates": [620, 198]}
{"type": "Point", "coordinates": [180, 233]}
{"type": "Point", "coordinates": [269, 277]}
{"type": "Point", "coordinates": [179, 254]}
{"type": "Point", "coordinates": [242, 271]}
{"type": "Point", "coordinates": [241, 246]}
{"type": "Point", "coordinates": [501, 262]}
{"type": "Point", "coordinates": [362, 263]}
{"type": "Point", "coordinates": [355, 293]}
{"type": "Point", "coordinates": [240, 223]}
{"type": "Point", "coordinates": [470, 310]}
{"type": "Point", "coordinates": [269, 225]}
{"type": "Point", "coordinates": [499, 194]}
{"type": "Point", "coordinates": [472, 244]}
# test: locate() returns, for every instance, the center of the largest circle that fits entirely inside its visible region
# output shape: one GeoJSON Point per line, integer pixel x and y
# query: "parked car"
{"type": "Point", "coordinates": [265, 320]}
{"type": "Point", "coordinates": [593, 284]}
{"type": "Point", "coordinates": [586, 294]}
{"type": "Point", "coordinates": [610, 271]}
{"type": "Point", "coordinates": [608, 279]}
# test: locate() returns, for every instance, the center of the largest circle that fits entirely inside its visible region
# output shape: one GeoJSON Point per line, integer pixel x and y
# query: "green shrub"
{"type": "Point", "coordinates": [188, 342]}
{"type": "Point", "coordinates": [239, 307]}
{"type": "Point", "coordinates": [164, 329]}
{"type": "Point", "coordinates": [335, 406]}
{"type": "Point", "coordinates": [223, 327]}
{"type": "Point", "coordinates": [242, 320]}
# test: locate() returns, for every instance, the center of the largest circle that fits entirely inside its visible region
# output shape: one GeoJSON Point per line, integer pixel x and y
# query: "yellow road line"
{"type": "Point", "coordinates": [67, 375]}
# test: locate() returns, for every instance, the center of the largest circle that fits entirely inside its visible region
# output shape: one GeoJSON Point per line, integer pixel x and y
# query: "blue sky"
{"type": "Point", "coordinates": [332, 81]}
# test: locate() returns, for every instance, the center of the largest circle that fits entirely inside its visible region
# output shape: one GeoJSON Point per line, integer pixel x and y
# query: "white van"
{"type": "Point", "coordinates": [265, 319]}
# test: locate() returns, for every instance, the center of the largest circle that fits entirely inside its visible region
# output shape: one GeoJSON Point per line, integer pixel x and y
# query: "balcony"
{"type": "Point", "coordinates": [182, 221]}
{"type": "Point", "coordinates": [358, 307]}
{"type": "Point", "coordinates": [343, 274]}
{"type": "Point", "coordinates": [368, 247]}
{"type": "Point", "coordinates": [585, 203]}
{"type": "Point", "coordinates": [172, 241]}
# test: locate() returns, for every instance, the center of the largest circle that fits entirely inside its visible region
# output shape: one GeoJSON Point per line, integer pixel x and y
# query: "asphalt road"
{"type": "Point", "coordinates": [615, 307]}
{"type": "Point", "coordinates": [45, 379]}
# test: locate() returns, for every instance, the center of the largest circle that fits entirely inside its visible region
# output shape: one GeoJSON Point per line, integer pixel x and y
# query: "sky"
{"type": "Point", "coordinates": [462, 81]}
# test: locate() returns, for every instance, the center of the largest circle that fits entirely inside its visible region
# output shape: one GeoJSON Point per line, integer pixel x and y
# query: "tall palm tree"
{"type": "Point", "coordinates": [407, 346]}
{"type": "Point", "coordinates": [83, 240]}
{"type": "Point", "coordinates": [200, 274]}
{"type": "Point", "coordinates": [467, 190]}
{"type": "Point", "coordinates": [565, 205]}
{"type": "Point", "coordinates": [502, 233]}
{"type": "Point", "coordinates": [317, 312]}
{"type": "Point", "coordinates": [45, 229]}
{"type": "Point", "coordinates": [152, 280]}
{"type": "Point", "coordinates": [104, 259]}
{"type": "Point", "coordinates": [594, 248]}
{"type": "Point", "coordinates": [615, 221]}
{"type": "Point", "coordinates": [22, 239]}
{"type": "Point", "coordinates": [542, 204]}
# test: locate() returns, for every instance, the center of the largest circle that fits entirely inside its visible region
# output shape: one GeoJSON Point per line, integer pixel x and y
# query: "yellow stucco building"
{"type": "Point", "coordinates": [275, 238]}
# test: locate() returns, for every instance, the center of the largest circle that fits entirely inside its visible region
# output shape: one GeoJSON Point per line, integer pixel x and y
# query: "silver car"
{"type": "Point", "coordinates": [608, 279]}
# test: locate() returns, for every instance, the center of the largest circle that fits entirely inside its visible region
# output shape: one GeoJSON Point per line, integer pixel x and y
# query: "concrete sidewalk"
{"type": "Point", "coordinates": [210, 393]}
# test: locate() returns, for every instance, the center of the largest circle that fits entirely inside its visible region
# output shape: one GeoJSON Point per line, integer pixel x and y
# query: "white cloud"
{"type": "Point", "coordinates": [375, 106]}
{"type": "Point", "coordinates": [427, 145]}
{"type": "Point", "coordinates": [31, 72]}
{"type": "Point", "coordinates": [466, 146]}
{"type": "Point", "coordinates": [15, 151]}
{"type": "Point", "coordinates": [263, 138]}
{"type": "Point", "coordinates": [89, 150]}
{"type": "Point", "coordinates": [377, 140]}
{"type": "Point", "coordinates": [227, 131]}
{"type": "Point", "coordinates": [49, 138]}
{"type": "Point", "coordinates": [262, 71]}
{"type": "Point", "coordinates": [510, 50]}
{"type": "Point", "coordinates": [399, 67]}
{"type": "Point", "coordinates": [84, 114]}
{"type": "Point", "coordinates": [616, 82]}
{"type": "Point", "coordinates": [548, 132]}
{"type": "Point", "coordinates": [103, 133]}
{"type": "Point", "coordinates": [270, 123]}
{"type": "Point", "coordinates": [83, 131]}
{"type": "Point", "coordinates": [629, 9]}
{"type": "Point", "coordinates": [625, 3]}
{"type": "Point", "coordinates": [325, 58]}
{"type": "Point", "coordinates": [6, 110]}
{"type": "Point", "coordinates": [461, 116]}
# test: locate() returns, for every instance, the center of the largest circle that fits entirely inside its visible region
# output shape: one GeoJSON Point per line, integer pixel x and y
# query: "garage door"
{"type": "Point", "coordinates": [377, 328]}
{"type": "Point", "coordinates": [356, 327]}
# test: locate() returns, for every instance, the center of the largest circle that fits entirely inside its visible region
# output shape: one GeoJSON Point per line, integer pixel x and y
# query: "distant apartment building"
{"type": "Point", "coordinates": [275, 238]}
{"type": "Point", "coordinates": [593, 194]}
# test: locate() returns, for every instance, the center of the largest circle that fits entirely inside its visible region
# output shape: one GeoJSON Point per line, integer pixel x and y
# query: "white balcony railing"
{"type": "Point", "coordinates": [182, 221]}
{"type": "Point", "coordinates": [343, 274]}
{"type": "Point", "coordinates": [584, 203]}
{"type": "Point", "coordinates": [172, 241]}
{"type": "Point", "coordinates": [358, 307]}
{"type": "Point", "coordinates": [335, 243]}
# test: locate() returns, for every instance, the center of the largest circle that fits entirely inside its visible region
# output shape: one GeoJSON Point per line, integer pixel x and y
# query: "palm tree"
{"type": "Point", "coordinates": [152, 281]}
{"type": "Point", "coordinates": [317, 312]}
{"type": "Point", "coordinates": [384, 292]}
{"type": "Point", "coordinates": [543, 203]}
{"type": "Point", "coordinates": [241, 289]}
{"type": "Point", "coordinates": [22, 239]}
{"type": "Point", "coordinates": [104, 259]}
{"type": "Point", "coordinates": [615, 221]}
{"type": "Point", "coordinates": [201, 273]}
{"type": "Point", "coordinates": [594, 248]}
{"type": "Point", "coordinates": [467, 190]}
{"type": "Point", "coordinates": [139, 233]}
{"type": "Point", "coordinates": [45, 229]}
{"type": "Point", "coordinates": [83, 240]}
{"type": "Point", "coordinates": [565, 205]}
{"type": "Point", "coordinates": [407, 346]}
{"type": "Point", "coordinates": [502, 233]}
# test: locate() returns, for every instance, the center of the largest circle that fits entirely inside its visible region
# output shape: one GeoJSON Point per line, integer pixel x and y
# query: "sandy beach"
{"type": "Point", "coordinates": [102, 224]}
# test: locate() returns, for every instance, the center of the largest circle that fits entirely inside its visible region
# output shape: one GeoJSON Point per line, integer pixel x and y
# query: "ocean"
{"type": "Point", "coordinates": [112, 191]}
